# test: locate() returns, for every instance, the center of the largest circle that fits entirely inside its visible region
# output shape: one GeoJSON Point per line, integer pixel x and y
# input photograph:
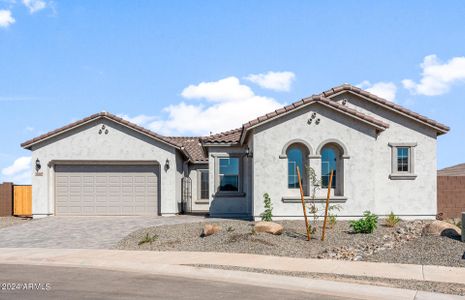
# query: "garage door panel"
{"type": "Point", "coordinates": [106, 190]}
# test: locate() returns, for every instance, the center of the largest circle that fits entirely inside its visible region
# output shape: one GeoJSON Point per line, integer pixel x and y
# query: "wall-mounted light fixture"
{"type": "Point", "coordinates": [248, 153]}
{"type": "Point", "coordinates": [167, 164]}
{"type": "Point", "coordinates": [38, 165]}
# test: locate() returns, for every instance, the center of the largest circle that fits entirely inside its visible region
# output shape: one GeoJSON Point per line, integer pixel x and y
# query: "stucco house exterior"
{"type": "Point", "coordinates": [383, 155]}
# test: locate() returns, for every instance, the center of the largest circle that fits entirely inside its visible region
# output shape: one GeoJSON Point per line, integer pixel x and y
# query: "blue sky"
{"type": "Point", "coordinates": [188, 67]}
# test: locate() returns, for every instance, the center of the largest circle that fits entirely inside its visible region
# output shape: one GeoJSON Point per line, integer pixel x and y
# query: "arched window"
{"type": "Point", "coordinates": [296, 156]}
{"type": "Point", "coordinates": [328, 163]}
{"type": "Point", "coordinates": [331, 159]}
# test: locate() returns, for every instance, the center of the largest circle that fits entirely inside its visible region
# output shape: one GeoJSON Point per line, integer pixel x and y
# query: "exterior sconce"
{"type": "Point", "coordinates": [38, 165]}
{"type": "Point", "coordinates": [248, 153]}
{"type": "Point", "coordinates": [167, 164]}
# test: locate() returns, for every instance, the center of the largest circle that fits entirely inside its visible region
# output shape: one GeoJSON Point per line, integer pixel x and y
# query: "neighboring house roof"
{"type": "Point", "coordinates": [441, 128]}
{"type": "Point", "coordinates": [192, 146]}
{"type": "Point", "coordinates": [226, 137]}
{"type": "Point", "coordinates": [102, 115]}
{"type": "Point", "coordinates": [457, 170]}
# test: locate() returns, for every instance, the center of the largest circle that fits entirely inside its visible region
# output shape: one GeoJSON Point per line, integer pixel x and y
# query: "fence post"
{"type": "Point", "coordinates": [6, 199]}
{"type": "Point", "coordinates": [463, 227]}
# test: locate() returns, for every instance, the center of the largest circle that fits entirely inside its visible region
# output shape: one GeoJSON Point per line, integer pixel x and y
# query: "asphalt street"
{"type": "Point", "coordinates": [42, 282]}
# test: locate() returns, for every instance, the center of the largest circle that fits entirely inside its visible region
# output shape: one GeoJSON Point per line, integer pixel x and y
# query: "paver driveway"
{"type": "Point", "coordinates": [81, 232]}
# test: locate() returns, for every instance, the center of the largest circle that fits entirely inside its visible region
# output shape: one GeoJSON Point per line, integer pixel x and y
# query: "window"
{"type": "Point", "coordinates": [203, 184]}
{"type": "Point", "coordinates": [403, 158]}
{"type": "Point", "coordinates": [295, 159]}
{"type": "Point", "coordinates": [229, 174]}
{"type": "Point", "coordinates": [328, 163]}
{"type": "Point", "coordinates": [402, 166]}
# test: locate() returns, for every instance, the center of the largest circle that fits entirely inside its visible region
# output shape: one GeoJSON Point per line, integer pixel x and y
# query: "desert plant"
{"type": "Point", "coordinates": [392, 220]}
{"type": "Point", "coordinates": [316, 210]}
{"type": "Point", "coordinates": [230, 229]}
{"type": "Point", "coordinates": [367, 224]}
{"type": "Point", "coordinates": [267, 215]}
{"type": "Point", "coordinates": [148, 239]}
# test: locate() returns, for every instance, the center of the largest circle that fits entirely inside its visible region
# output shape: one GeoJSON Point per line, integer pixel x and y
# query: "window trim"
{"type": "Point", "coordinates": [405, 175]}
{"type": "Point", "coordinates": [199, 185]}
{"type": "Point", "coordinates": [240, 191]}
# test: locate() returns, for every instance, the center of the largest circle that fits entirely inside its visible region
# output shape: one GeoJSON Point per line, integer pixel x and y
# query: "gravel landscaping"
{"type": "Point", "coordinates": [402, 244]}
{"type": "Point", "coordinates": [427, 286]}
{"type": "Point", "coordinates": [427, 250]}
{"type": "Point", "coordinates": [10, 221]}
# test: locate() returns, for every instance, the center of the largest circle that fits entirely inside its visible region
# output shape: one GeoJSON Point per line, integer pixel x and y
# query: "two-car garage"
{"type": "Point", "coordinates": [116, 190]}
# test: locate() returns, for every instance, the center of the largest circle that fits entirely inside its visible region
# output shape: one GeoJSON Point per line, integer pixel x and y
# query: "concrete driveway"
{"type": "Point", "coordinates": [81, 232]}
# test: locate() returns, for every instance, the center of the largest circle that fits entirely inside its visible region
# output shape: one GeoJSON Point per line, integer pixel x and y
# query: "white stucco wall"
{"type": "Point", "coordinates": [235, 206]}
{"type": "Point", "coordinates": [198, 205]}
{"type": "Point", "coordinates": [120, 144]}
{"type": "Point", "coordinates": [366, 170]}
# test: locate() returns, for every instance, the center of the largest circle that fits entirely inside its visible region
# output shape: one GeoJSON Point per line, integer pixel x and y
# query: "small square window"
{"type": "Point", "coordinates": [402, 161]}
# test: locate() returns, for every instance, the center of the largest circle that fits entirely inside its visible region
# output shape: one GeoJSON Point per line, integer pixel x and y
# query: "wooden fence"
{"type": "Point", "coordinates": [6, 199]}
{"type": "Point", "coordinates": [22, 203]}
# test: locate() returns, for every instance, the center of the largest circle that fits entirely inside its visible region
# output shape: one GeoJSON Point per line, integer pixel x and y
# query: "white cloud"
{"type": "Point", "coordinates": [19, 171]}
{"type": "Point", "coordinates": [6, 19]}
{"type": "Point", "coordinates": [277, 81]}
{"type": "Point", "coordinates": [224, 104]}
{"type": "Point", "coordinates": [385, 90]}
{"type": "Point", "coordinates": [437, 77]}
{"type": "Point", "coordinates": [35, 5]}
{"type": "Point", "coordinates": [227, 89]}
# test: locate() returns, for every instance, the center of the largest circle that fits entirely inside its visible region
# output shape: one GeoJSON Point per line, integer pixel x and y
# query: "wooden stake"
{"type": "Point", "coordinates": [303, 204]}
{"type": "Point", "coordinates": [327, 205]}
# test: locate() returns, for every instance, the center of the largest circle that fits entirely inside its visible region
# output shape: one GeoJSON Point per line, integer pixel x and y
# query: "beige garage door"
{"type": "Point", "coordinates": [97, 190]}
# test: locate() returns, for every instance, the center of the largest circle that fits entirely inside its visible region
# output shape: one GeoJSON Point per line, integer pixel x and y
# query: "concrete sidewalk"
{"type": "Point", "coordinates": [171, 264]}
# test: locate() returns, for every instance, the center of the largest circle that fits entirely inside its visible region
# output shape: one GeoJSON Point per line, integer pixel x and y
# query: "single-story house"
{"type": "Point", "coordinates": [383, 157]}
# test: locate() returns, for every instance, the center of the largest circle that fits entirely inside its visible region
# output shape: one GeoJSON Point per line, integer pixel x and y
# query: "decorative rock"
{"type": "Point", "coordinates": [441, 228]}
{"type": "Point", "coordinates": [269, 227]}
{"type": "Point", "coordinates": [209, 229]}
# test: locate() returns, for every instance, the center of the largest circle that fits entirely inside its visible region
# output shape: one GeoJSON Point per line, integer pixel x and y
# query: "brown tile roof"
{"type": "Point", "coordinates": [230, 136]}
{"type": "Point", "coordinates": [457, 170]}
{"type": "Point", "coordinates": [347, 87]}
{"type": "Point", "coordinates": [192, 147]}
{"type": "Point", "coordinates": [101, 115]}
{"type": "Point", "coordinates": [317, 99]}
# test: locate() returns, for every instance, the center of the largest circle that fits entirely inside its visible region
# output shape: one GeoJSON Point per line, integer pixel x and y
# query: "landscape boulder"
{"type": "Point", "coordinates": [441, 228]}
{"type": "Point", "coordinates": [269, 227]}
{"type": "Point", "coordinates": [209, 229]}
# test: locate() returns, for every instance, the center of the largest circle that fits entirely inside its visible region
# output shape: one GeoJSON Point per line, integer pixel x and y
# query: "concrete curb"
{"type": "Point", "coordinates": [170, 264]}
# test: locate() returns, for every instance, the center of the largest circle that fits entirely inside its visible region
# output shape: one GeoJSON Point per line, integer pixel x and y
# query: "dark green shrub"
{"type": "Point", "coordinates": [367, 224]}
{"type": "Point", "coordinates": [267, 215]}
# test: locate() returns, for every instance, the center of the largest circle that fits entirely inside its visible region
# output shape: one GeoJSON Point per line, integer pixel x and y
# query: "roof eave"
{"type": "Point", "coordinates": [28, 145]}
{"type": "Point", "coordinates": [439, 130]}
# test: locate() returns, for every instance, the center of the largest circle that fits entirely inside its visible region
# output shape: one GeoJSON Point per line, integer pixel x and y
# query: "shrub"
{"type": "Point", "coordinates": [267, 215]}
{"type": "Point", "coordinates": [392, 220]}
{"type": "Point", "coordinates": [367, 224]}
{"type": "Point", "coordinates": [148, 239]}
